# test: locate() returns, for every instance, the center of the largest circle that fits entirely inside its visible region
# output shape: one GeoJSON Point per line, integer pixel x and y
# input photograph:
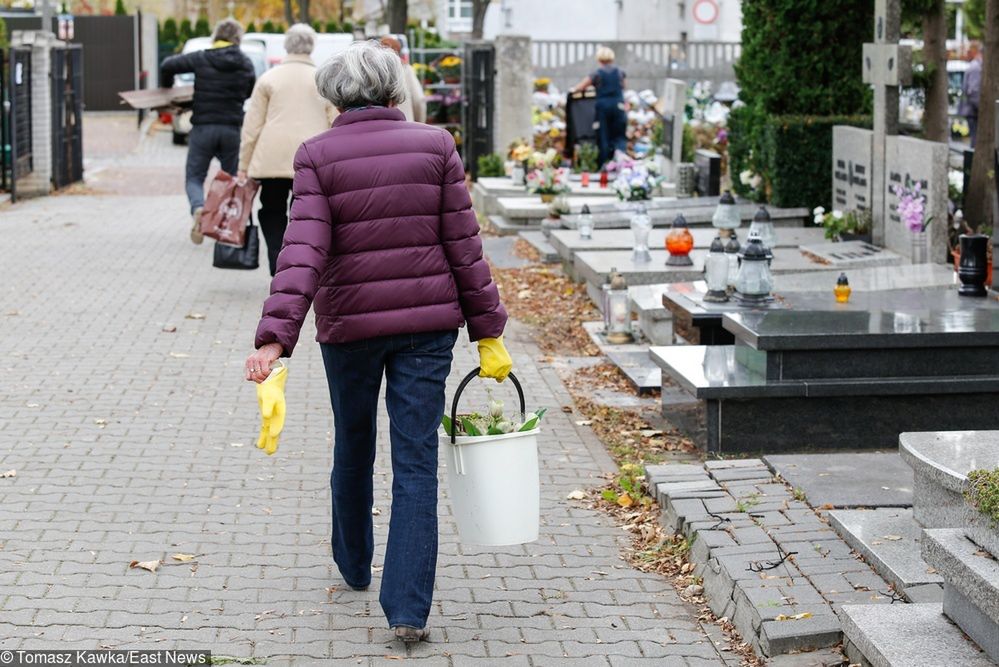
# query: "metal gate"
{"type": "Point", "coordinates": [478, 95]}
{"type": "Point", "coordinates": [17, 157]}
{"type": "Point", "coordinates": [67, 115]}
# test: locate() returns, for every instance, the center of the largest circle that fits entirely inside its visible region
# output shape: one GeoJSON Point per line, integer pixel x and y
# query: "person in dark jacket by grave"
{"type": "Point", "coordinates": [223, 80]}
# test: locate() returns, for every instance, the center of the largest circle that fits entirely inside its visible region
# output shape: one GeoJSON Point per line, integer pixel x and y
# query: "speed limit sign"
{"type": "Point", "coordinates": [705, 11]}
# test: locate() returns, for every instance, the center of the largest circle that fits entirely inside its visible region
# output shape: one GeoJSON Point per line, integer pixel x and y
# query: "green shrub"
{"type": "Point", "coordinates": [119, 8]}
{"type": "Point", "coordinates": [689, 144]}
{"type": "Point", "coordinates": [490, 165]}
{"type": "Point", "coordinates": [186, 30]}
{"type": "Point", "coordinates": [268, 26]}
{"type": "Point", "coordinates": [201, 27]}
{"type": "Point", "coordinates": [793, 154]}
{"type": "Point", "coordinates": [168, 33]}
{"type": "Point", "coordinates": [804, 57]}
{"type": "Point", "coordinates": [3, 34]}
{"type": "Point", "coordinates": [332, 26]}
{"type": "Point", "coordinates": [983, 493]}
{"type": "Point", "coordinates": [252, 27]}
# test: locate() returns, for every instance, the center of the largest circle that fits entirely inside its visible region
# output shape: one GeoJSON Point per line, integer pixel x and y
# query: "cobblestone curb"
{"type": "Point", "coordinates": [769, 563]}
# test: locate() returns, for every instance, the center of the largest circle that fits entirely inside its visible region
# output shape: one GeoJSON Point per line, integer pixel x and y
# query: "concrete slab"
{"type": "Point", "coordinates": [892, 635]}
{"type": "Point", "coordinates": [500, 251]}
{"type": "Point", "coordinates": [546, 252]}
{"type": "Point", "coordinates": [870, 479]}
{"type": "Point", "coordinates": [851, 254]}
{"type": "Point", "coordinates": [639, 368]}
{"type": "Point", "coordinates": [889, 540]}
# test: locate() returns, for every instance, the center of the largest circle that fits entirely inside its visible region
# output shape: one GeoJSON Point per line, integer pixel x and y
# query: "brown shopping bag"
{"type": "Point", "coordinates": [227, 209]}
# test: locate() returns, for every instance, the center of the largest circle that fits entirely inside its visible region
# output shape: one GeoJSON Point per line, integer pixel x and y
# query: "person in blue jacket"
{"type": "Point", "coordinates": [608, 80]}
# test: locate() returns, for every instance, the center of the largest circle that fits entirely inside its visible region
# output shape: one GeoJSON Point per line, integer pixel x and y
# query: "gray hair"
{"type": "Point", "coordinates": [300, 39]}
{"type": "Point", "coordinates": [365, 74]}
{"type": "Point", "coordinates": [228, 30]}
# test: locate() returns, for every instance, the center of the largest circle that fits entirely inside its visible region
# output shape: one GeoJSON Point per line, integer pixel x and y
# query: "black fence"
{"type": "Point", "coordinates": [67, 115]}
{"type": "Point", "coordinates": [16, 159]}
{"type": "Point", "coordinates": [478, 99]}
{"type": "Point", "coordinates": [112, 46]}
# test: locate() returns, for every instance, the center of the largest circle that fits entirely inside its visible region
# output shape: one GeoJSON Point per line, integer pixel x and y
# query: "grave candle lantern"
{"type": "Point", "coordinates": [973, 266]}
{"type": "Point", "coordinates": [842, 289]}
{"type": "Point", "coordinates": [764, 226]}
{"type": "Point", "coordinates": [585, 223]}
{"type": "Point", "coordinates": [754, 282]}
{"type": "Point", "coordinates": [726, 217]}
{"type": "Point", "coordinates": [679, 243]}
{"type": "Point", "coordinates": [617, 311]}
{"type": "Point", "coordinates": [732, 249]}
{"type": "Point", "coordinates": [641, 225]}
{"type": "Point", "coordinates": [716, 273]}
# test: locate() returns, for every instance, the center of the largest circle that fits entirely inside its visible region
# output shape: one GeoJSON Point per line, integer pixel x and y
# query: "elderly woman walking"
{"type": "Point", "coordinates": [285, 110]}
{"type": "Point", "coordinates": [608, 79]}
{"type": "Point", "coordinates": [384, 240]}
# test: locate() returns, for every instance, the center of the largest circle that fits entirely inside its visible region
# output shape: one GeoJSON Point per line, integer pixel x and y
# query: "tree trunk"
{"type": "Point", "coordinates": [289, 15]}
{"type": "Point", "coordinates": [397, 15]}
{"type": "Point", "coordinates": [303, 11]}
{"type": "Point", "coordinates": [479, 8]}
{"type": "Point", "coordinates": [981, 194]}
{"type": "Point", "coordinates": [935, 120]}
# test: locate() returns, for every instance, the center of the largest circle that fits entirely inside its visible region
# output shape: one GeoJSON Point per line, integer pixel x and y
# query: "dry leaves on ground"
{"type": "Point", "coordinates": [525, 250]}
{"type": "Point", "coordinates": [150, 565]}
{"type": "Point", "coordinates": [546, 299]}
{"type": "Point", "coordinates": [8, 473]}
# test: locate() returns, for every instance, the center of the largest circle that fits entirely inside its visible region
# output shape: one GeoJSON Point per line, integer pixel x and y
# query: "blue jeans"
{"type": "Point", "coordinates": [416, 367]}
{"type": "Point", "coordinates": [204, 143]}
{"type": "Point", "coordinates": [612, 129]}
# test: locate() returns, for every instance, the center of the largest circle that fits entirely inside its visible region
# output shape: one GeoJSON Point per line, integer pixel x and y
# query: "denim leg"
{"type": "Point", "coordinates": [603, 136]}
{"type": "Point", "coordinates": [416, 372]}
{"type": "Point", "coordinates": [227, 148]}
{"type": "Point", "coordinates": [354, 375]}
{"type": "Point", "coordinates": [200, 148]}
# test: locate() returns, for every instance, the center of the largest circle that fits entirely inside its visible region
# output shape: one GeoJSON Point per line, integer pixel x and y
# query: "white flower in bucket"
{"type": "Point", "coordinates": [492, 471]}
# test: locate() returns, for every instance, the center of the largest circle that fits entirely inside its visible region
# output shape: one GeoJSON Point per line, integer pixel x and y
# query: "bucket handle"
{"type": "Point", "coordinates": [461, 387]}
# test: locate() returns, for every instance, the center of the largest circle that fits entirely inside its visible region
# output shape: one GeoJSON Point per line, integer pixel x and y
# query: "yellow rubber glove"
{"type": "Point", "coordinates": [270, 397]}
{"type": "Point", "coordinates": [494, 360]}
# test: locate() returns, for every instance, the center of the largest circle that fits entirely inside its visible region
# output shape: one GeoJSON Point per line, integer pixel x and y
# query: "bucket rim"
{"type": "Point", "coordinates": [483, 439]}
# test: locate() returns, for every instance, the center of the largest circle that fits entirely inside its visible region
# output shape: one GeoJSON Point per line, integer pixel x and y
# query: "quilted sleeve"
{"type": "Point", "coordinates": [477, 293]}
{"type": "Point", "coordinates": [302, 260]}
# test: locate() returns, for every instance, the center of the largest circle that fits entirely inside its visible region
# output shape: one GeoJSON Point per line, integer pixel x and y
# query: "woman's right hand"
{"type": "Point", "coordinates": [258, 364]}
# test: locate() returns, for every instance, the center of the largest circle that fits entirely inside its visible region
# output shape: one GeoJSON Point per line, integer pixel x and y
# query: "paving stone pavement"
{"type": "Point", "coordinates": [132, 442]}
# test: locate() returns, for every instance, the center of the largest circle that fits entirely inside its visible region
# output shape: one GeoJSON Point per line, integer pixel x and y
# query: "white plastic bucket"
{"type": "Point", "coordinates": [495, 487]}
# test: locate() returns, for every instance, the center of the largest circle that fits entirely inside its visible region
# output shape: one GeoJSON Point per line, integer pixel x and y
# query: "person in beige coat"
{"type": "Point", "coordinates": [285, 110]}
{"type": "Point", "coordinates": [414, 107]}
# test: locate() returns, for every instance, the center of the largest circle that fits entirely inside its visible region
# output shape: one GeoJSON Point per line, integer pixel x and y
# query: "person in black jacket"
{"type": "Point", "coordinates": [223, 80]}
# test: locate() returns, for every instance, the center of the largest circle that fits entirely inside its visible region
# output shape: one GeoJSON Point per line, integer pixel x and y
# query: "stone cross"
{"type": "Point", "coordinates": [887, 65]}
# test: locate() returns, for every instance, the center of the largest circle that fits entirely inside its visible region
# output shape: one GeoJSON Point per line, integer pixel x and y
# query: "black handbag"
{"type": "Point", "coordinates": [245, 258]}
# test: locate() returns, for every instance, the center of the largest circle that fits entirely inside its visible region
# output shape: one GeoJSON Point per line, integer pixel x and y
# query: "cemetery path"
{"type": "Point", "coordinates": [131, 431]}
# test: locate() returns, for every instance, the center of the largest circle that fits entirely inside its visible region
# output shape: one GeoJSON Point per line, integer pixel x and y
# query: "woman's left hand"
{"type": "Point", "coordinates": [258, 364]}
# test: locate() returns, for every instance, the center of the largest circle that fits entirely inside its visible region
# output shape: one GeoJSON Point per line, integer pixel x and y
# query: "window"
{"type": "Point", "coordinates": [459, 15]}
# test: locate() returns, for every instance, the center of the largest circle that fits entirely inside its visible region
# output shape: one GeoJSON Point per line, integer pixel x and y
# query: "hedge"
{"type": "Point", "coordinates": [793, 153]}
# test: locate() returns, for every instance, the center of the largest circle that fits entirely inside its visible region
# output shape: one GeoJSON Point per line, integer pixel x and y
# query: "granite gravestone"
{"type": "Point", "coordinates": [674, 105]}
{"type": "Point", "coordinates": [911, 161]}
{"type": "Point", "coordinates": [708, 165]}
{"type": "Point", "coordinates": [851, 184]}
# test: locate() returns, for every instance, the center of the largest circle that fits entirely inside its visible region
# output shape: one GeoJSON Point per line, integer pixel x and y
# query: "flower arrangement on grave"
{"type": "Point", "coordinates": [959, 128]}
{"type": "Point", "coordinates": [435, 106]}
{"type": "Point", "coordinates": [519, 150]}
{"type": "Point", "coordinates": [541, 84]}
{"type": "Point", "coordinates": [493, 422]}
{"type": "Point", "coordinates": [449, 68]}
{"type": "Point", "coordinates": [911, 206]}
{"type": "Point", "coordinates": [955, 187]}
{"type": "Point", "coordinates": [452, 108]}
{"type": "Point", "coordinates": [546, 177]}
{"type": "Point", "coordinates": [635, 181]}
{"type": "Point", "coordinates": [842, 225]}
{"type": "Point", "coordinates": [587, 158]}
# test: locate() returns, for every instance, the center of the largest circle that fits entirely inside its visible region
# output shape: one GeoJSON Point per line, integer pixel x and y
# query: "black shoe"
{"type": "Point", "coordinates": [405, 633]}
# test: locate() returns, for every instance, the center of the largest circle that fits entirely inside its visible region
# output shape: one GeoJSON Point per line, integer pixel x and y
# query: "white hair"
{"type": "Point", "coordinates": [365, 74]}
{"type": "Point", "coordinates": [300, 39]}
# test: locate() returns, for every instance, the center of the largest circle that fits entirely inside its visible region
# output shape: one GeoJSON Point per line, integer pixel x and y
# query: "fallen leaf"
{"type": "Point", "coordinates": [931, 570]}
{"type": "Point", "coordinates": [795, 617]}
{"type": "Point", "coordinates": [625, 500]}
{"type": "Point", "coordinates": [179, 355]}
{"type": "Point", "coordinates": [32, 405]}
{"type": "Point", "coordinates": [150, 565]}
{"type": "Point", "coordinates": [169, 328]}
{"type": "Point", "coordinates": [101, 422]}
{"type": "Point", "coordinates": [8, 473]}
{"type": "Point", "coordinates": [892, 538]}
{"type": "Point", "coordinates": [12, 313]}
{"type": "Point", "coordinates": [183, 558]}
{"type": "Point", "coordinates": [375, 511]}
{"type": "Point", "coordinates": [886, 488]}
{"type": "Point", "coordinates": [236, 444]}
{"type": "Point", "coordinates": [377, 568]}
{"type": "Point", "coordinates": [194, 316]}
{"type": "Point", "coordinates": [577, 495]}
{"type": "Point", "coordinates": [584, 422]}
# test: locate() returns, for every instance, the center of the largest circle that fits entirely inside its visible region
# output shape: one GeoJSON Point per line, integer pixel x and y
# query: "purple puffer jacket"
{"type": "Point", "coordinates": [382, 236]}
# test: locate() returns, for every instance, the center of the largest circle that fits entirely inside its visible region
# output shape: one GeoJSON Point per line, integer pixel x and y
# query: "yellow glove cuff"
{"type": "Point", "coordinates": [494, 360]}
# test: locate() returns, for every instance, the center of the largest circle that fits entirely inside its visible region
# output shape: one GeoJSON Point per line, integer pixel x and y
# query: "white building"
{"type": "Point", "coordinates": [588, 20]}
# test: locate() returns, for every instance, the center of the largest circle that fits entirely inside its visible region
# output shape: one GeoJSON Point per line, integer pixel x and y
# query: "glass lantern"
{"type": "Point", "coordinates": [585, 223]}
{"type": "Point", "coordinates": [716, 273]}
{"type": "Point", "coordinates": [764, 226]}
{"type": "Point", "coordinates": [641, 225]}
{"type": "Point", "coordinates": [617, 311]}
{"type": "Point", "coordinates": [679, 243]}
{"type": "Point", "coordinates": [726, 217]}
{"type": "Point", "coordinates": [754, 282]}
{"type": "Point", "coordinates": [732, 249]}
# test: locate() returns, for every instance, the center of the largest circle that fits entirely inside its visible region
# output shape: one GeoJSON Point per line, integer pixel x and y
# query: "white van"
{"type": "Point", "coordinates": [327, 45]}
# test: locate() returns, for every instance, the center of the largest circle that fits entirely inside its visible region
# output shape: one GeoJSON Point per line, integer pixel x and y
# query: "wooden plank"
{"type": "Point", "coordinates": [157, 98]}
